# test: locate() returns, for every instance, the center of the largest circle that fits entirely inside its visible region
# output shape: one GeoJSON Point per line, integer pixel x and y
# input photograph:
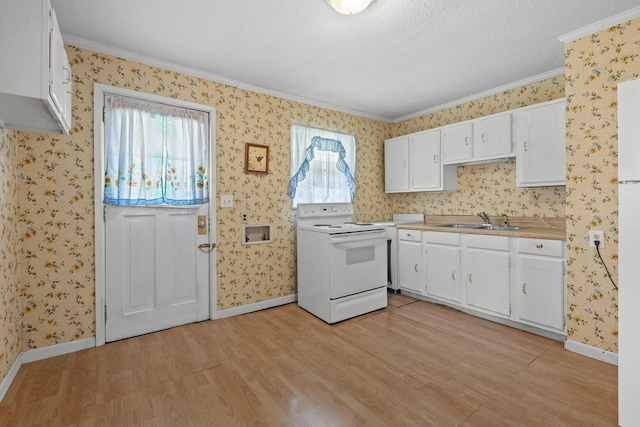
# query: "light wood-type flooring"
{"type": "Point", "coordinates": [413, 363]}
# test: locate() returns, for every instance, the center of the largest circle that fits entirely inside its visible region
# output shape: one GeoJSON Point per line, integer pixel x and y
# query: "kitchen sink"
{"type": "Point", "coordinates": [483, 227]}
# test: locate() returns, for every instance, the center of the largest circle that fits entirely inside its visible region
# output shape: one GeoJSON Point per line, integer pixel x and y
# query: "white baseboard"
{"type": "Point", "coordinates": [256, 306]}
{"type": "Point", "coordinates": [592, 352]}
{"type": "Point", "coordinates": [8, 379]}
{"type": "Point", "coordinates": [42, 353]}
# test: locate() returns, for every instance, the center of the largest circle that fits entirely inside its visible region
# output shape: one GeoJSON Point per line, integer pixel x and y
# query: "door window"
{"type": "Point", "coordinates": [156, 154]}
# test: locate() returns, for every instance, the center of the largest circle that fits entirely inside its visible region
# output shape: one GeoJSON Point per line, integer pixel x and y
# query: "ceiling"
{"type": "Point", "coordinates": [395, 60]}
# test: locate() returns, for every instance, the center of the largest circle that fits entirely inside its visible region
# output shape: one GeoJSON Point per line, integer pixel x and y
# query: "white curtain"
{"type": "Point", "coordinates": [327, 178]}
{"type": "Point", "coordinates": [155, 153]}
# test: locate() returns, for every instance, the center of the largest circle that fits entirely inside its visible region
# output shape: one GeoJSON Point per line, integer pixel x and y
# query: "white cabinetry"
{"type": "Point", "coordinates": [541, 144]}
{"type": "Point", "coordinates": [457, 143]}
{"type": "Point", "coordinates": [492, 137]}
{"type": "Point", "coordinates": [414, 163]}
{"type": "Point", "coordinates": [442, 262]}
{"type": "Point", "coordinates": [488, 274]}
{"type": "Point", "coordinates": [410, 264]}
{"type": "Point", "coordinates": [540, 285]}
{"type": "Point", "coordinates": [35, 77]}
{"type": "Point", "coordinates": [396, 164]}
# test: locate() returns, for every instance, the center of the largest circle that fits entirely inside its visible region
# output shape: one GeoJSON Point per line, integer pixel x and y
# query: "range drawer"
{"type": "Point", "coordinates": [412, 235]}
{"type": "Point", "coordinates": [542, 247]}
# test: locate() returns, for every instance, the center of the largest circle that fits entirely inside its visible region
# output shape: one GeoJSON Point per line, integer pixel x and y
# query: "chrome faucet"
{"type": "Point", "coordinates": [506, 219]}
{"type": "Point", "coordinates": [484, 216]}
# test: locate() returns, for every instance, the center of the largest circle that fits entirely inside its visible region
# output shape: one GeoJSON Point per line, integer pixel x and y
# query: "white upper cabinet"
{"type": "Point", "coordinates": [35, 77]}
{"type": "Point", "coordinates": [414, 163]}
{"type": "Point", "coordinates": [492, 137]}
{"type": "Point", "coordinates": [478, 140]}
{"type": "Point", "coordinates": [396, 164]}
{"type": "Point", "coordinates": [541, 144]}
{"type": "Point", "coordinates": [457, 143]}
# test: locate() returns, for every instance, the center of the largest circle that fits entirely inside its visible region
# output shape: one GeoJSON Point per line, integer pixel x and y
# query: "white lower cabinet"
{"type": "Point", "coordinates": [488, 274]}
{"type": "Point", "coordinates": [442, 262]}
{"type": "Point", "coordinates": [540, 286]}
{"type": "Point", "coordinates": [475, 272]}
{"type": "Point", "coordinates": [410, 263]}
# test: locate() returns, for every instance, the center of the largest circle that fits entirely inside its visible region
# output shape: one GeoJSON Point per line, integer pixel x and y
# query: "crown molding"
{"type": "Point", "coordinates": [600, 25]}
{"type": "Point", "coordinates": [533, 79]}
{"type": "Point", "coordinates": [133, 56]}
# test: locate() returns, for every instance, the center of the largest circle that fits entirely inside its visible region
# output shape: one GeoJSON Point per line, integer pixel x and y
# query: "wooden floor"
{"type": "Point", "coordinates": [414, 363]}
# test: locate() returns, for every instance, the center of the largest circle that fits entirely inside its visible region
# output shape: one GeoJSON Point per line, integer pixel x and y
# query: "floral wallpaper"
{"type": "Point", "coordinates": [492, 187]}
{"type": "Point", "coordinates": [10, 344]}
{"type": "Point", "coordinates": [56, 211]}
{"type": "Point", "coordinates": [594, 66]}
{"type": "Point", "coordinates": [47, 285]}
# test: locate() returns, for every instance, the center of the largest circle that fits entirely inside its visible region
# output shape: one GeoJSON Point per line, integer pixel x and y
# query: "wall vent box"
{"type": "Point", "coordinates": [254, 234]}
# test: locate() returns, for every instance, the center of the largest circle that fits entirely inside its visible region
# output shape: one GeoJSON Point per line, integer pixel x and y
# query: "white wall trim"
{"type": "Point", "coordinates": [600, 25]}
{"type": "Point", "coordinates": [40, 354]}
{"type": "Point", "coordinates": [256, 306]}
{"type": "Point", "coordinates": [533, 79]}
{"type": "Point", "coordinates": [57, 350]}
{"type": "Point", "coordinates": [592, 352]}
{"type": "Point", "coordinates": [11, 375]}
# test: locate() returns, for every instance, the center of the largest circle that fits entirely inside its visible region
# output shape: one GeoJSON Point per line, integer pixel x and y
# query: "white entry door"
{"type": "Point", "coordinates": [157, 276]}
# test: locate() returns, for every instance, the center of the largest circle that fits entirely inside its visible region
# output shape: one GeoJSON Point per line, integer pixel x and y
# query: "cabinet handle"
{"type": "Point", "coordinates": [470, 281]}
{"type": "Point", "coordinates": [524, 288]}
{"type": "Point", "coordinates": [404, 164]}
{"type": "Point", "coordinates": [525, 146]}
{"type": "Point", "coordinates": [539, 245]}
{"type": "Point", "coordinates": [416, 268]}
{"type": "Point", "coordinates": [466, 140]}
{"type": "Point", "coordinates": [453, 275]}
{"type": "Point", "coordinates": [67, 78]}
{"type": "Point", "coordinates": [435, 159]}
{"type": "Point", "coordinates": [483, 137]}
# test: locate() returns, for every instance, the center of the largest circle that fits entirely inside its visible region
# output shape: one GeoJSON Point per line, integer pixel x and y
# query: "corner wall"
{"type": "Point", "coordinates": [10, 315]}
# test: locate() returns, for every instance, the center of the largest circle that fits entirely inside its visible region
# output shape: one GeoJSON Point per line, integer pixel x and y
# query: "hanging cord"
{"type": "Point", "coordinates": [597, 243]}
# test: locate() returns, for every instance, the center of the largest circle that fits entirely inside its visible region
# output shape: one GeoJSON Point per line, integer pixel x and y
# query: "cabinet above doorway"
{"type": "Point", "coordinates": [35, 76]}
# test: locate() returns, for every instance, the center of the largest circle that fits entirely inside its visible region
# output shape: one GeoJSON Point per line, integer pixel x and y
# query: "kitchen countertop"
{"type": "Point", "coordinates": [533, 227]}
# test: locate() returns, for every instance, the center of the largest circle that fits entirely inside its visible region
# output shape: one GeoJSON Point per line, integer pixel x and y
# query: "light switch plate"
{"type": "Point", "coordinates": [226, 201]}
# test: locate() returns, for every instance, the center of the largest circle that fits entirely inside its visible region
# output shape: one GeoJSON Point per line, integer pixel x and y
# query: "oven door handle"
{"type": "Point", "coordinates": [358, 237]}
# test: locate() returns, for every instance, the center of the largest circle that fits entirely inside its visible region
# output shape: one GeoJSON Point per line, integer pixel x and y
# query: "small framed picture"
{"type": "Point", "coordinates": [256, 158]}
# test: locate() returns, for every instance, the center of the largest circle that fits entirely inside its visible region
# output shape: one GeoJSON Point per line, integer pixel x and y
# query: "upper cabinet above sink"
{"type": "Point", "coordinates": [478, 140]}
{"type": "Point", "coordinates": [35, 77]}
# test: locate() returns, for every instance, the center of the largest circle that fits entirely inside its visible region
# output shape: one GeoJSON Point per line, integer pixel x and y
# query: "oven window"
{"type": "Point", "coordinates": [360, 255]}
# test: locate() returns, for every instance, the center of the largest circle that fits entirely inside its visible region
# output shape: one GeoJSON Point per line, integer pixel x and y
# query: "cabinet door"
{"type": "Point", "coordinates": [540, 291]}
{"type": "Point", "coordinates": [410, 266]}
{"type": "Point", "coordinates": [443, 271]}
{"type": "Point", "coordinates": [396, 164]}
{"type": "Point", "coordinates": [59, 75]}
{"type": "Point", "coordinates": [488, 279]}
{"type": "Point", "coordinates": [492, 137]}
{"type": "Point", "coordinates": [425, 168]}
{"type": "Point", "coordinates": [457, 142]}
{"type": "Point", "coordinates": [541, 144]}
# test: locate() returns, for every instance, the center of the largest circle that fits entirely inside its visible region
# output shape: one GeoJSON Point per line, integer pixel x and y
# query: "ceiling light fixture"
{"type": "Point", "coordinates": [350, 7]}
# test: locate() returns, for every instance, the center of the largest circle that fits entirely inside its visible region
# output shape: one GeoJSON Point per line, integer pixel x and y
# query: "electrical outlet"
{"type": "Point", "coordinates": [596, 235]}
{"type": "Point", "coordinates": [244, 217]}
